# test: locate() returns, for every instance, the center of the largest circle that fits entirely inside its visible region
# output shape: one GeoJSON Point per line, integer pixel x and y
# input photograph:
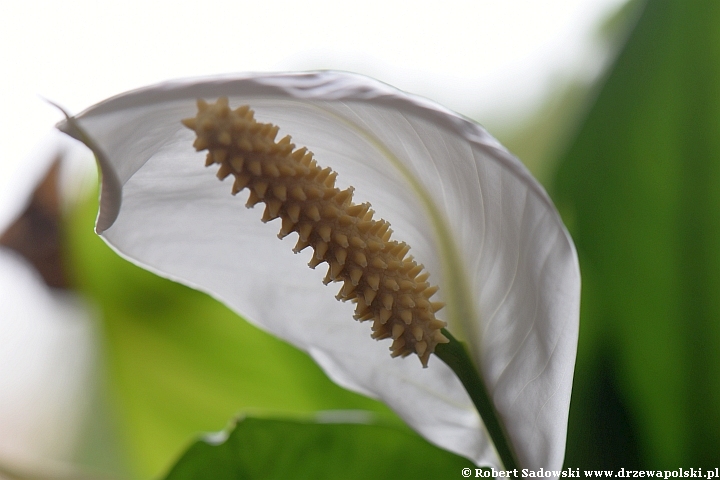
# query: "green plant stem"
{"type": "Point", "coordinates": [456, 357]}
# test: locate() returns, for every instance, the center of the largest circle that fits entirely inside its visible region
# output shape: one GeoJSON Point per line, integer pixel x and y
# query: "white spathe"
{"type": "Point", "coordinates": [484, 228]}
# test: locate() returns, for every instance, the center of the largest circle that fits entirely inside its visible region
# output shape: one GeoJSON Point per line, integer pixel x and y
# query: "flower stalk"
{"type": "Point", "coordinates": [456, 357]}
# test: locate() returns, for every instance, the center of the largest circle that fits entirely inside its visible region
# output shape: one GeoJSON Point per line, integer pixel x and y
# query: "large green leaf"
{"type": "Point", "coordinates": [640, 188]}
{"type": "Point", "coordinates": [180, 362]}
{"type": "Point", "coordinates": [277, 449]}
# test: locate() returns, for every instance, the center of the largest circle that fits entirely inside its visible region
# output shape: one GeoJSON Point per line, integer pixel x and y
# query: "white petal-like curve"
{"type": "Point", "coordinates": [484, 228]}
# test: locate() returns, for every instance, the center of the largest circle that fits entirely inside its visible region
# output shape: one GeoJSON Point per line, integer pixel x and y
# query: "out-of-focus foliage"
{"type": "Point", "coordinates": [179, 363]}
{"type": "Point", "coordinates": [640, 190]}
{"type": "Point", "coordinates": [543, 136]}
{"type": "Point", "coordinates": [277, 449]}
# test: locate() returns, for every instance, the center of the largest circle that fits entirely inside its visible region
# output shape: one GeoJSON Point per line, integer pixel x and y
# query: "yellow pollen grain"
{"type": "Point", "coordinates": [386, 285]}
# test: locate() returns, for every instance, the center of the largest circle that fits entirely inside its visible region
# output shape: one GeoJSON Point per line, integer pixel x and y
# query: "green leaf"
{"type": "Point", "coordinates": [640, 187]}
{"type": "Point", "coordinates": [178, 362]}
{"type": "Point", "coordinates": [281, 449]}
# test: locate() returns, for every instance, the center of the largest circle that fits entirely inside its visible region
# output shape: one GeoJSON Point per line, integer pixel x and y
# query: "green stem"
{"type": "Point", "coordinates": [457, 358]}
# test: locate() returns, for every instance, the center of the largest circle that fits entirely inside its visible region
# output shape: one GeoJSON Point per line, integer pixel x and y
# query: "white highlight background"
{"type": "Point", "coordinates": [485, 59]}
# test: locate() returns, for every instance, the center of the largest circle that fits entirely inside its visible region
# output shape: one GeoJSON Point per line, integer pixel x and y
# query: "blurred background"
{"type": "Point", "coordinates": [614, 106]}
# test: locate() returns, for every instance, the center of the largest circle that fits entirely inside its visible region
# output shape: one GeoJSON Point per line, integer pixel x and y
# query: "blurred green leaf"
{"type": "Point", "coordinates": [277, 449]}
{"type": "Point", "coordinates": [640, 189]}
{"type": "Point", "coordinates": [179, 362]}
{"type": "Point", "coordinates": [539, 138]}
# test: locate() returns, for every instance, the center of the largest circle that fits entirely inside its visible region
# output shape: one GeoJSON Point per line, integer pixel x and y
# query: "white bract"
{"type": "Point", "coordinates": [483, 227]}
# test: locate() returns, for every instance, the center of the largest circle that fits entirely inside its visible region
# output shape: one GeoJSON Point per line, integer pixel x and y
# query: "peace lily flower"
{"type": "Point", "coordinates": [483, 228]}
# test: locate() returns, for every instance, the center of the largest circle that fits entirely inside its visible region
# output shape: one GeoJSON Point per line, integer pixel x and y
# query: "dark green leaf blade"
{"type": "Point", "coordinates": [281, 449]}
{"type": "Point", "coordinates": [640, 187]}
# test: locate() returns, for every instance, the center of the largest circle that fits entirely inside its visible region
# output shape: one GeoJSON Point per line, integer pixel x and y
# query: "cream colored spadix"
{"type": "Point", "coordinates": [387, 287]}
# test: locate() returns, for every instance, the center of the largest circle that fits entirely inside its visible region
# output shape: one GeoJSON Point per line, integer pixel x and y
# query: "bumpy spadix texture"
{"type": "Point", "coordinates": [387, 286]}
